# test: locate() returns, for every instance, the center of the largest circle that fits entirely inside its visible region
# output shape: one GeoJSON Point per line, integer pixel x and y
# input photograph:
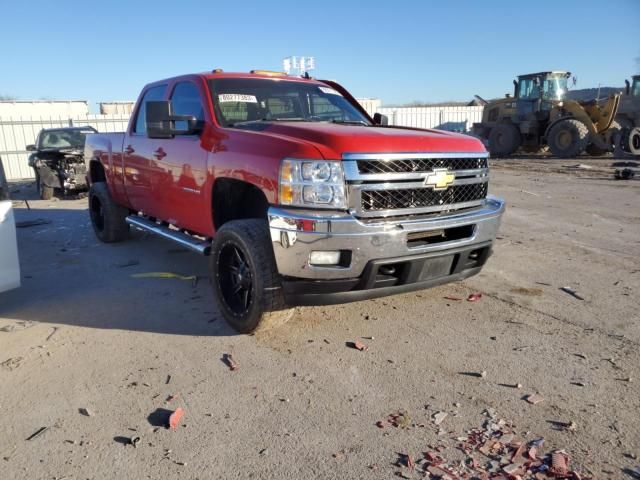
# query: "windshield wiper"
{"type": "Point", "coordinates": [350, 122]}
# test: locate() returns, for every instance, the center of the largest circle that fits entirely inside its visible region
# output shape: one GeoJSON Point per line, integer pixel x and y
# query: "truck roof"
{"type": "Point", "coordinates": [218, 73]}
{"type": "Point", "coordinates": [540, 74]}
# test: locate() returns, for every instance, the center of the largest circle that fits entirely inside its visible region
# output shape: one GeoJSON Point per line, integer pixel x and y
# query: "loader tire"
{"type": "Point", "coordinates": [504, 139]}
{"type": "Point", "coordinates": [633, 141]}
{"type": "Point", "coordinates": [107, 217]}
{"type": "Point", "coordinates": [568, 138]}
{"type": "Point", "coordinates": [246, 283]}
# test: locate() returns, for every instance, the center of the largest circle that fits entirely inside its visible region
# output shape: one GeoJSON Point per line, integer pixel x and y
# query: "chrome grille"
{"type": "Point", "coordinates": [382, 185]}
{"type": "Point", "coordinates": [372, 200]}
{"type": "Point", "coordinates": [419, 165]}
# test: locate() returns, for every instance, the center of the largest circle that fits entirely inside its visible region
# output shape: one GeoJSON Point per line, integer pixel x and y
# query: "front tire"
{"type": "Point", "coordinates": [504, 139]}
{"type": "Point", "coordinates": [107, 217]}
{"type": "Point", "coordinates": [245, 279]}
{"type": "Point", "coordinates": [568, 138]}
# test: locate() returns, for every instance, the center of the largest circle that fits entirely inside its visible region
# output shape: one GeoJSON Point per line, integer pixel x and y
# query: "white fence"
{"type": "Point", "coordinates": [456, 119]}
{"type": "Point", "coordinates": [17, 133]}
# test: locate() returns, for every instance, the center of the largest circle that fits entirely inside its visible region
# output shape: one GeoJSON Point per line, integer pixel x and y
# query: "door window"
{"type": "Point", "coordinates": [153, 94]}
{"type": "Point", "coordinates": [186, 100]}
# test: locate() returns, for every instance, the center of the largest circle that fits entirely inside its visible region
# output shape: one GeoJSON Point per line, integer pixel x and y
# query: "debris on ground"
{"type": "Point", "coordinates": [481, 374]}
{"type": "Point", "coordinates": [474, 297]}
{"type": "Point", "coordinates": [167, 275]}
{"type": "Point", "coordinates": [134, 441]}
{"type": "Point", "coordinates": [572, 292]}
{"type": "Point", "coordinates": [128, 263]}
{"type": "Point", "coordinates": [85, 411]}
{"type": "Point", "coordinates": [399, 419]}
{"type": "Point", "coordinates": [175, 417]}
{"type": "Point", "coordinates": [534, 398]}
{"type": "Point", "coordinates": [171, 398]}
{"type": "Point", "coordinates": [579, 166]}
{"type": "Point", "coordinates": [32, 223]}
{"type": "Point", "coordinates": [37, 433]}
{"type": "Point", "coordinates": [624, 174]}
{"type": "Point", "coordinates": [565, 426]}
{"type": "Point", "coordinates": [439, 417]}
{"type": "Point", "coordinates": [168, 380]}
{"type": "Point", "coordinates": [455, 299]}
{"type": "Point", "coordinates": [493, 451]}
{"type": "Point", "coordinates": [228, 360]}
{"type": "Point", "coordinates": [358, 346]}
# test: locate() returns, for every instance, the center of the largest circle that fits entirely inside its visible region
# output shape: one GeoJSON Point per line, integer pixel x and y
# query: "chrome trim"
{"type": "Point", "coordinates": [402, 185]}
{"type": "Point", "coordinates": [353, 178]}
{"type": "Point", "coordinates": [192, 243]}
{"type": "Point", "coordinates": [413, 210]}
{"type": "Point", "coordinates": [295, 233]}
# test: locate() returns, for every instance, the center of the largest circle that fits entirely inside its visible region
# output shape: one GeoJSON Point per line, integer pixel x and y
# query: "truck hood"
{"type": "Point", "coordinates": [334, 139]}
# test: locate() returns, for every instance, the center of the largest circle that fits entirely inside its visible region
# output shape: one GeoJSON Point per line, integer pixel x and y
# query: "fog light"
{"type": "Point", "coordinates": [320, 257]}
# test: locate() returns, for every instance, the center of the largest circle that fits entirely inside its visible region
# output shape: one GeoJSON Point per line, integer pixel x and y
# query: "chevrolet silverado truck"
{"type": "Point", "coordinates": [294, 192]}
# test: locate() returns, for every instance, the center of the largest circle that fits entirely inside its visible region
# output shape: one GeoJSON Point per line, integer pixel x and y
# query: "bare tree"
{"type": "Point", "coordinates": [7, 98]}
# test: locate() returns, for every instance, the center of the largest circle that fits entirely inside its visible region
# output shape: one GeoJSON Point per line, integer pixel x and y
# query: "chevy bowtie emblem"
{"type": "Point", "coordinates": [439, 179]}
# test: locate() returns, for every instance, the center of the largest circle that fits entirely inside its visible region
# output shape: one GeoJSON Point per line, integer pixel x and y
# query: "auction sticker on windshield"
{"type": "Point", "coordinates": [237, 97]}
{"type": "Point", "coordinates": [330, 91]}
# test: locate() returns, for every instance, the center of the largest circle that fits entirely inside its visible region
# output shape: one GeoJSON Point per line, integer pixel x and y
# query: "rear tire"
{"type": "Point", "coordinates": [568, 138]}
{"type": "Point", "coordinates": [245, 279]}
{"type": "Point", "coordinates": [107, 217]}
{"type": "Point", "coordinates": [504, 139]}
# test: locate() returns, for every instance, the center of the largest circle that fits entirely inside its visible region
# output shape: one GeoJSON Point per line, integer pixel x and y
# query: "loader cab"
{"type": "Point", "coordinates": [635, 87]}
{"type": "Point", "coordinates": [538, 92]}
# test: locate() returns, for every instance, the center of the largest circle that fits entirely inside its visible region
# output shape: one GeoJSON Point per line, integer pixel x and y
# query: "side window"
{"type": "Point", "coordinates": [154, 93]}
{"type": "Point", "coordinates": [186, 100]}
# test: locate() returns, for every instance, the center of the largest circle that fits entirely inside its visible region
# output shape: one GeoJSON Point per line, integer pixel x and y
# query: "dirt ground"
{"type": "Point", "coordinates": [82, 333]}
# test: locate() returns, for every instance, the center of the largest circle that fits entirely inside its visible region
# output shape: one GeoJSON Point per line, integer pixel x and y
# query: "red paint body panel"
{"type": "Point", "coordinates": [173, 179]}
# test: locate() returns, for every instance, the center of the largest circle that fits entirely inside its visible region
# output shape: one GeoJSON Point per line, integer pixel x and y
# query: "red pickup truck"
{"type": "Point", "coordinates": [295, 193]}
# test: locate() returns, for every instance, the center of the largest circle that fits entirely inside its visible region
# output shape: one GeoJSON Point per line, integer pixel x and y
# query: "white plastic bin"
{"type": "Point", "coordinates": [9, 265]}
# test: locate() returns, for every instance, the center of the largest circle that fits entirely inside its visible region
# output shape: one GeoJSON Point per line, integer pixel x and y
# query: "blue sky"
{"type": "Point", "coordinates": [399, 51]}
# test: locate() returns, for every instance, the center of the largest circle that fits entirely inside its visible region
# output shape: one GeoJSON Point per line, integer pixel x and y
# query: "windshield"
{"type": "Point", "coordinates": [243, 100]}
{"type": "Point", "coordinates": [553, 88]}
{"type": "Point", "coordinates": [63, 139]}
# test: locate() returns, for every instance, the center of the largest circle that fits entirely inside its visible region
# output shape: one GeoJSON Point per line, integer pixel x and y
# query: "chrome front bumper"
{"type": "Point", "coordinates": [296, 233]}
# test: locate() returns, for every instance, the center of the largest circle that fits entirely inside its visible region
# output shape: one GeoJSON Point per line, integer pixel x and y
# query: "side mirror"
{"type": "Point", "coordinates": [161, 122]}
{"type": "Point", "coordinates": [31, 148]}
{"type": "Point", "coordinates": [380, 119]}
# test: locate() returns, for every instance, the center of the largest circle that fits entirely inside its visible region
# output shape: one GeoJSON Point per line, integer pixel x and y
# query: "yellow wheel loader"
{"type": "Point", "coordinates": [539, 115]}
{"type": "Point", "coordinates": [628, 118]}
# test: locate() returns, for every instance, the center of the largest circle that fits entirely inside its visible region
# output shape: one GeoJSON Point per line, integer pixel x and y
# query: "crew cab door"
{"type": "Point", "coordinates": [183, 159]}
{"type": "Point", "coordinates": [139, 167]}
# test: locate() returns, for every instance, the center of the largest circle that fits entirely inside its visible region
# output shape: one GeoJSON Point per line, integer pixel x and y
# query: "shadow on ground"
{"type": "Point", "coordinates": [69, 277]}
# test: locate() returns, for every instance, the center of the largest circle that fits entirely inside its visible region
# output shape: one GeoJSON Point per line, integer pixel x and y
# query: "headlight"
{"type": "Point", "coordinates": [312, 183]}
